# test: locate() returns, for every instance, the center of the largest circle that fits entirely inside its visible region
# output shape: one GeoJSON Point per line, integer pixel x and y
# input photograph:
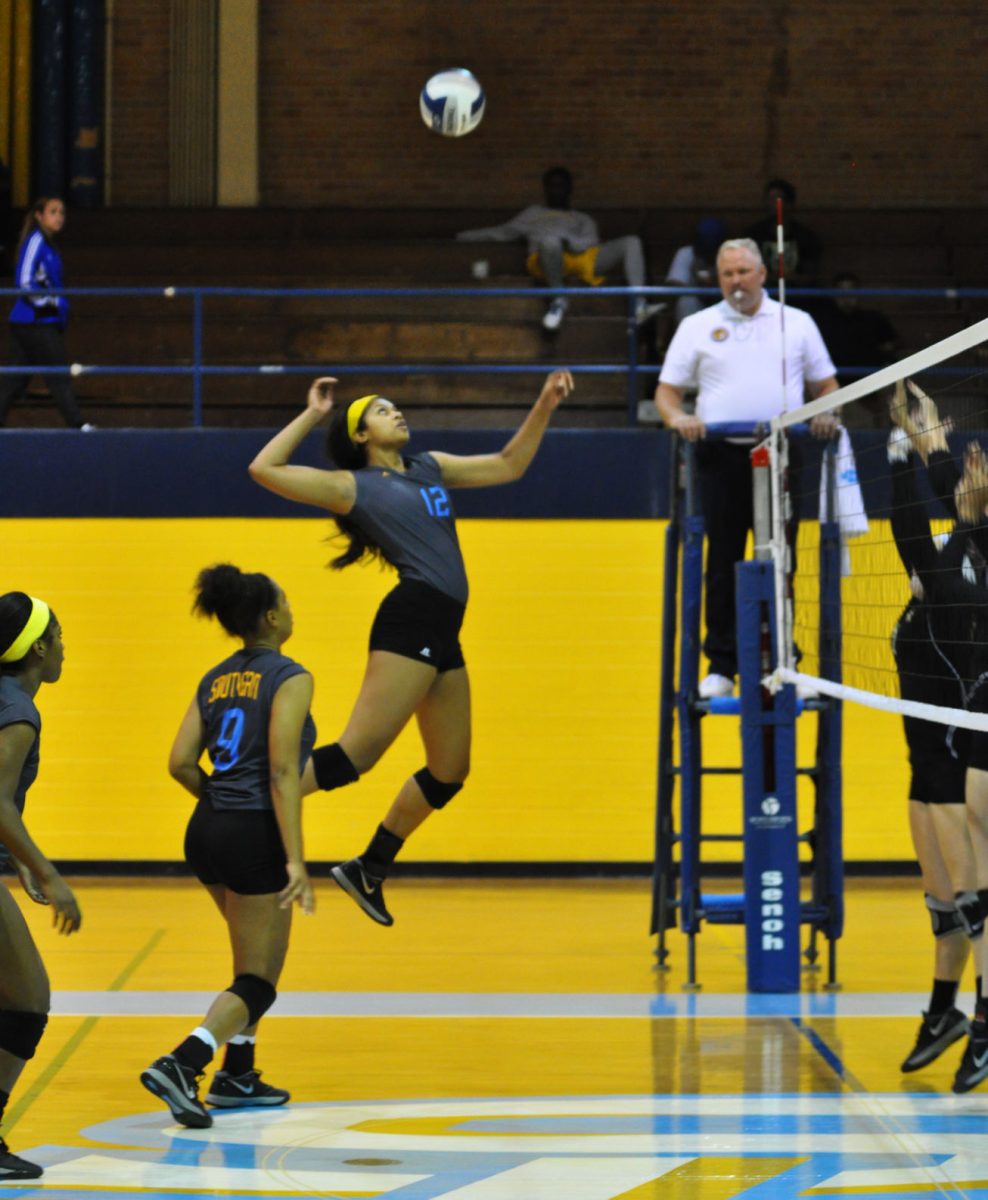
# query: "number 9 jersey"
{"type": "Point", "coordinates": [235, 701]}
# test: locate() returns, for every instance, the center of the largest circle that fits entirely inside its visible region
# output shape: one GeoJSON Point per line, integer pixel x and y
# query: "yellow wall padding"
{"type": "Point", "coordinates": [562, 643]}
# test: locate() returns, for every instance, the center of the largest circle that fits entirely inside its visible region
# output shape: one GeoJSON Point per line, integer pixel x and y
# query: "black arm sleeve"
{"type": "Point", "coordinates": [944, 475]}
{"type": "Point", "coordinates": [910, 523]}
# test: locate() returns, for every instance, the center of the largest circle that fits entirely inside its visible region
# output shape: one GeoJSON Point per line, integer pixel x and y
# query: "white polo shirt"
{"type": "Point", "coordinates": [734, 362]}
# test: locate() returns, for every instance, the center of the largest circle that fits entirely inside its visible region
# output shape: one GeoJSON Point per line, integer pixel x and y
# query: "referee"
{"type": "Point", "coordinates": [731, 357]}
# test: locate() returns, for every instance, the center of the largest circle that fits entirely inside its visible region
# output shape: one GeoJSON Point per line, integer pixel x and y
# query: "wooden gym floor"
{"type": "Point", "coordinates": [504, 1041]}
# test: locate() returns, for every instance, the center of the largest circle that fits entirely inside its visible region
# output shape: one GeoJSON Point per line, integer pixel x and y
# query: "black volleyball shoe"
{"type": "Point", "coordinates": [366, 890]}
{"type": "Point", "coordinates": [936, 1033]}
{"type": "Point", "coordinates": [178, 1086]}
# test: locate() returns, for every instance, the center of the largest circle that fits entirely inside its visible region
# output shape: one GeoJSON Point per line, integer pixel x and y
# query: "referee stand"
{"type": "Point", "coordinates": [771, 906]}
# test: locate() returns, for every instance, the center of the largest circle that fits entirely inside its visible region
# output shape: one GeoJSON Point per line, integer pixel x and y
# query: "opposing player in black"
{"type": "Point", "coordinates": [962, 605]}
{"type": "Point", "coordinates": [31, 653]}
{"type": "Point", "coordinates": [931, 662]}
{"type": "Point", "coordinates": [244, 839]}
{"type": "Point", "coordinates": [396, 507]}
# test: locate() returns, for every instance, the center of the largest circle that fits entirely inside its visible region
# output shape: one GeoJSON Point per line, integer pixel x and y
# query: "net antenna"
{"type": "Point", "coordinates": [779, 462]}
{"type": "Point", "coordinates": [780, 246]}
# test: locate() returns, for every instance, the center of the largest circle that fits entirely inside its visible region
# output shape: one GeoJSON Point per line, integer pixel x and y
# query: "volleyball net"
{"type": "Point", "coordinates": [905, 479]}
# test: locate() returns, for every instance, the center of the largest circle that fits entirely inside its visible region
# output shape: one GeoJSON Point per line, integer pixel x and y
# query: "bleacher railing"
{"type": "Point", "coordinates": [633, 368]}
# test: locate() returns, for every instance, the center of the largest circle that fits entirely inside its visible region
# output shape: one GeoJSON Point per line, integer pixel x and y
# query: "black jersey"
{"type": "Point", "coordinates": [17, 708]}
{"type": "Point", "coordinates": [410, 516]}
{"type": "Point", "coordinates": [235, 702]}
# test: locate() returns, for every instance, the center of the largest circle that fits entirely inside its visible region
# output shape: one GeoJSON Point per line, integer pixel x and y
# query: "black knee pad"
{"type": "Point", "coordinates": [332, 768]}
{"type": "Point", "coordinates": [944, 916]}
{"type": "Point", "coordinates": [437, 793]}
{"type": "Point", "coordinates": [972, 918]}
{"type": "Point", "coordinates": [20, 1032]}
{"type": "Point", "coordinates": [256, 993]}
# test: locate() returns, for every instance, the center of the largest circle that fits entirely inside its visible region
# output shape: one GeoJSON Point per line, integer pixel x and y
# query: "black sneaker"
{"type": "Point", "coordinates": [936, 1033]}
{"type": "Point", "coordinates": [12, 1167]}
{"type": "Point", "coordinates": [974, 1064]}
{"type": "Point", "coordinates": [365, 889]}
{"type": "Point", "coordinates": [178, 1086]}
{"type": "Point", "coordinates": [243, 1091]}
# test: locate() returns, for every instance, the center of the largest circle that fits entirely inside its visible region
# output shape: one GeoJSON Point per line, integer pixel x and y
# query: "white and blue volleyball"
{"type": "Point", "coordinates": [452, 102]}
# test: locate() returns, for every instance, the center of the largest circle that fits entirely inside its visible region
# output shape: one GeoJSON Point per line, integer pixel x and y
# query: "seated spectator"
{"type": "Point", "coordinates": [564, 243]}
{"type": "Point", "coordinates": [856, 337]}
{"type": "Point", "coordinates": [800, 247]}
{"type": "Point", "coordinates": [695, 265]}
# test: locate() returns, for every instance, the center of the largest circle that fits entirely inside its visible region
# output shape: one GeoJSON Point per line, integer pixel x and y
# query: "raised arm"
{"type": "Point", "coordinates": [288, 713]}
{"type": "Point", "coordinates": [511, 462]}
{"type": "Point", "coordinates": [333, 490]}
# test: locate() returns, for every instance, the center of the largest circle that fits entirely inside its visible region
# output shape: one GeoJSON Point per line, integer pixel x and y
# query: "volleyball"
{"type": "Point", "coordinates": [452, 102]}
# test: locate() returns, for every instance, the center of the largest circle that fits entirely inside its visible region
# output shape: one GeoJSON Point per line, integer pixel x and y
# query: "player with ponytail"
{"type": "Point", "coordinates": [244, 839]}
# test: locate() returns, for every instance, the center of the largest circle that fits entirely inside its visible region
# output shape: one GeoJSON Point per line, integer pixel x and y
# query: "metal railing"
{"type": "Point", "coordinates": [632, 367]}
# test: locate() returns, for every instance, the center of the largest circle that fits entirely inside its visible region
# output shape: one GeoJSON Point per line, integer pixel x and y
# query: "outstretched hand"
{"type": "Point", "coordinates": [918, 417]}
{"type": "Point", "coordinates": [971, 492]}
{"type": "Point", "coordinates": [556, 388]}
{"type": "Point", "coordinates": [320, 397]}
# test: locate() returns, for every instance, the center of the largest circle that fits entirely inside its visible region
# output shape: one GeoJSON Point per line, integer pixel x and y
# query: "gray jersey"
{"type": "Point", "coordinates": [235, 702]}
{"type": "Point", "coordinates": [410, 516]}
{"type": "Point", "coordinates": [17, 707]}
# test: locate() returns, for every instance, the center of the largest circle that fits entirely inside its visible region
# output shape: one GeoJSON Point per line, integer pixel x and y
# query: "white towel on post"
{"type": "Point", "coordinates": [849, 509]}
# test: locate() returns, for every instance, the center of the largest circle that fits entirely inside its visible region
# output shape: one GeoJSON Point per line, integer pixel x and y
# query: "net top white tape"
{"type": "Point", "coordinates": [961, 718]}
{"type": "Point", "coordinates": [922, 360]}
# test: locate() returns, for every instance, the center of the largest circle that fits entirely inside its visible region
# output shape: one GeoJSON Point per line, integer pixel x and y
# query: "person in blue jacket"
{"type": "Point", "coordinates": [39, 316]}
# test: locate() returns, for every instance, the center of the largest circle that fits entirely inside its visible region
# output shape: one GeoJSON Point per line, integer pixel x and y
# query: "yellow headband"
{"type": "Point", "coordinates": [356, 411]}
{"type": "Point", "coordinates": [37, 623]}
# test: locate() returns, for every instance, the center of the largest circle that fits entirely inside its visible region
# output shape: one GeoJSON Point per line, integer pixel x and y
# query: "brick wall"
{"type": "Point", "coordinates": [864, 104]}
{"type": "Point", "coordinates": [138, 144]}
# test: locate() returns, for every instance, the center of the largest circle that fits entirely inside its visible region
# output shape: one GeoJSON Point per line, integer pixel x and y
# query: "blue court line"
{"type": "Point", "coordinates": [829, 1056]}
{"type": "Point", "coordinates": [468, 1005]}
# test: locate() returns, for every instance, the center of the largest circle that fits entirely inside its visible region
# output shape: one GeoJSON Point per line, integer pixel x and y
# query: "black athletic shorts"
{"type": "Point", "coordinates": [938, 780]}
{"type": "Point", "coordinates": [417, 621]}
{"type": "Point", "coordinates": [939, 759]}
{"type": "Point", "coordinates": [240, 849]}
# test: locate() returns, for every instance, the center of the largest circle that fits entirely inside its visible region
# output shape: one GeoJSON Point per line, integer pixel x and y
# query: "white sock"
{"type": "Point", "coordinates": [203, 1034]}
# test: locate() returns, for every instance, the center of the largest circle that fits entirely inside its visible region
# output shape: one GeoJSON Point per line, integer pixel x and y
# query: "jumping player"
{"type": "Point", "coordinates": [396, 507]}
{"type": "Point", "coordinates": [244, 839]}
{"type": "Point", "coordinates": [31, 653]}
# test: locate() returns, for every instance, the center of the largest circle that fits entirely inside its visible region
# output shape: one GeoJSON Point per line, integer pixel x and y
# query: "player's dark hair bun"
{"type": "Point", "coordinates": [236, 599]}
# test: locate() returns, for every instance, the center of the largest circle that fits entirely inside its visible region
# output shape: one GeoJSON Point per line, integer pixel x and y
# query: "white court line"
{"type": "Point", "coordinates": [97, 1170]}
{"type": "Point", "coordinates": [467, 1005]}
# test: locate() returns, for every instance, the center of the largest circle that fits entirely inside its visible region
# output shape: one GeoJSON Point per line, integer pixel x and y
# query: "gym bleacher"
{"type": "Point", "coordinates": [231, 248]}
